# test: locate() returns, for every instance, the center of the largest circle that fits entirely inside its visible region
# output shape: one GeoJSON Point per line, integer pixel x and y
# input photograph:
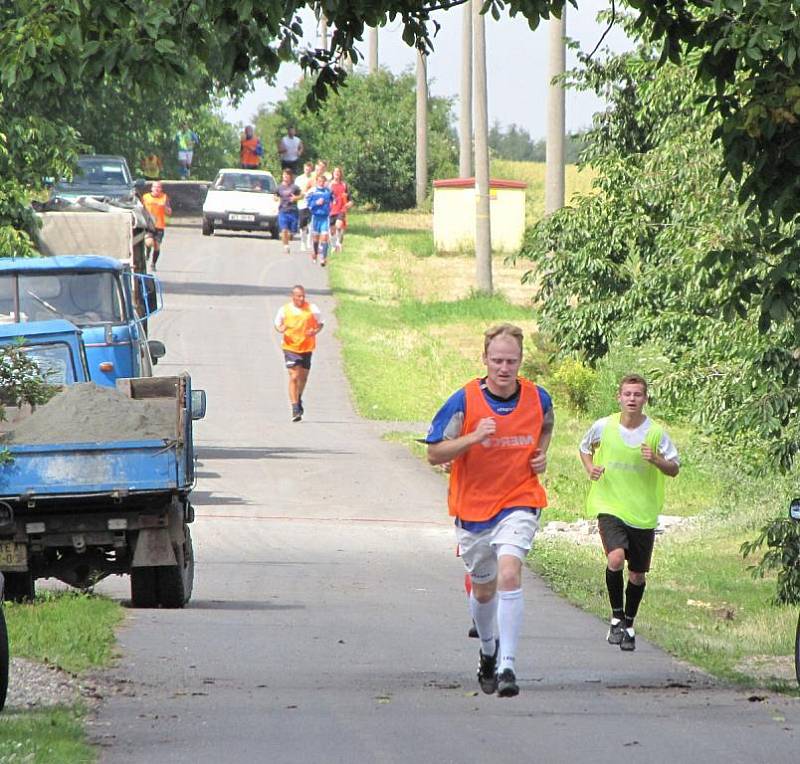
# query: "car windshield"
{"type": "Point", "coordinates": [83, 298]}
{"type": "Point", "coordinates": [242, 181]}
{"type": "Point", "coordinates": [99, 172]}
{"type": "Point", "coordinates": [55, 362]}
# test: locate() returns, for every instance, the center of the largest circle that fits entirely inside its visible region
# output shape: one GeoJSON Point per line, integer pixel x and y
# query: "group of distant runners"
{"type": "Point", "coordinates": [314, 205]}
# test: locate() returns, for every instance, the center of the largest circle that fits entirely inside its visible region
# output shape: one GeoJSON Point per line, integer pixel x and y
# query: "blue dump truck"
{"type": "Point", "coordinates": [56, 346]}
{"type": "Point", "coordinates": [97, 482]}
{"type": "Point", "coordinates": [100, 295]}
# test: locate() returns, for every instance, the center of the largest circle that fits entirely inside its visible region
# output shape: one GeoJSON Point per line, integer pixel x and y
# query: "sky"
{"type": "Point", "coordinates": [516, 63]}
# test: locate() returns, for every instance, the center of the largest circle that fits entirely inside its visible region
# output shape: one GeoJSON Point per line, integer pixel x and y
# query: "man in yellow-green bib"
{"type": "Point", "coordinates": [626, 456]}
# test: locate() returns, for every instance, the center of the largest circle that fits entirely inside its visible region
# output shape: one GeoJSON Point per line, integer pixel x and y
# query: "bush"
{"type": "Point", "coordinates": [577, 381]}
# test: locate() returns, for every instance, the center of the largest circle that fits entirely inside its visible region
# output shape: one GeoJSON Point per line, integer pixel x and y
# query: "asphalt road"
{"type": "Point", "coordinates": [328, 622]}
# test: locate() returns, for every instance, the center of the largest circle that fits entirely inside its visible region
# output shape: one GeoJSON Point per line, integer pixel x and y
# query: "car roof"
{"type": "Point", "coordinates": [37, 328]}
{"type": "Point", "coordinates": [61, 263]}
{"type": "Point", "coordinates": [103, 157]}
{"type": "Point", "coordinates": [242, 171]}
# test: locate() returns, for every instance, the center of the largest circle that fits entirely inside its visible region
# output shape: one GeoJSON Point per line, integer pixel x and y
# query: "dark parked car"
{"type": "Point", "coordinates": [101, 176]}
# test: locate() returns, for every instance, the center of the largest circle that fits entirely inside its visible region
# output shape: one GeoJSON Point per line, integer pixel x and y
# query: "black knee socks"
{"type": "Point", "coordinates": [633, 596]}
{"type": "Point", "coordinates": [614, 584]}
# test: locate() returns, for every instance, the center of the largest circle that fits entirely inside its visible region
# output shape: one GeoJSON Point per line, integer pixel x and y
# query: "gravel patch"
{"type": "Point", "coordinates": [33, 685]}
{"type": "Point", "coordinates": [585, 531]}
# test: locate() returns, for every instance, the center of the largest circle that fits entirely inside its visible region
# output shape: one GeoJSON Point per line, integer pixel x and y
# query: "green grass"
{"type": "Point", "coordinates": [44, 737]}
{"type": "Point", "coordinates": [74, 632]}
{"type": "Point", "coordinates": [71, 630]}
{"type": "Point", "coordinates": [415, 348]}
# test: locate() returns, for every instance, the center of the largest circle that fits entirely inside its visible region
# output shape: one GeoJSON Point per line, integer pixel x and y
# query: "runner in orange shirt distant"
{"type": "Point", "coordinates": [495, 431]}
{"type": "Point", "coordinates": [157, 204]}
{"type": "Point", "coordinates": [299, 322]}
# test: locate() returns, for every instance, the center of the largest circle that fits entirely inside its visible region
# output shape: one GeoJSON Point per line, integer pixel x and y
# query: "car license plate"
{"type": "Point", "coordinates": [13, 555]}
{"type": "Point", "coordinates": [242, 218]}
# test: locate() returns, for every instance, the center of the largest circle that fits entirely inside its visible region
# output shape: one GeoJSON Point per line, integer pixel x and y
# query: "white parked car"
{"type": "Point", "coordinates": [241, 200]}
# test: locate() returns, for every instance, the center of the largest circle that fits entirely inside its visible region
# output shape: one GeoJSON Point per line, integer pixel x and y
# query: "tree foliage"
{"type": "Point", "coordinates": [653, 258]}
{"type": "Point", "coordinates": [368, 127]}
{"type": "Point", "coordinates": [745, 53]}
{"type": "Point", "coordinates": [515, 143]}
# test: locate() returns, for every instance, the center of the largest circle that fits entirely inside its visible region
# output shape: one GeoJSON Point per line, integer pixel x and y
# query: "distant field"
{"type": "Point", "coordinates": [532, 173]}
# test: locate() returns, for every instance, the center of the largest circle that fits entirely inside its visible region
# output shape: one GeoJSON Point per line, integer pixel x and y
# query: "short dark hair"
{"type": "Point", "coordinates": [633, 379]}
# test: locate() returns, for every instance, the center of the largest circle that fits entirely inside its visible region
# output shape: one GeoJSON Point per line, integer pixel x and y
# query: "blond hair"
{"type": "Point", "coordinates": [502, 330]}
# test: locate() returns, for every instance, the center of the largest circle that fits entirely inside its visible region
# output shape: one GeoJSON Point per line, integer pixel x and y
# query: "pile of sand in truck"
{"type": "Point", "coordinates": [88, 413]}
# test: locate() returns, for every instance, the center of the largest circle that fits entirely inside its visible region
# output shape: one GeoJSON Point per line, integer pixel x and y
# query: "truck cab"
{"type": "Point", "coordinates": [100, 295]}
{"type": "Point", "coordinates": [55, 345]}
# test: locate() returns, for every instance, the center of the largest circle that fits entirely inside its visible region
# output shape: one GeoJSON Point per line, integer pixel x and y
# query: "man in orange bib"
{"type": "Point", "coordinates": [495, 432]}
{"type": "Point", "coordinates": [156, 202]}
{"type": "Point", "coordinates": [299, 322]}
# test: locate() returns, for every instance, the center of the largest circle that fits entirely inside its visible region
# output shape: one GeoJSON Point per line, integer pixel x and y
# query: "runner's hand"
{"type": "Point", "coordinates": [648, 454]}
{"type": "Point", "coordinates": [485, 429]}
{"type": "Point", "coordinates": [596, 472]}
{"type": "Point", "coordinates": [538, 462]}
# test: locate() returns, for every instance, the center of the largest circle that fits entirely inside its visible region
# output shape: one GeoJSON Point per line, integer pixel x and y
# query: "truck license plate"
{"type": "Point", "coordinates": [13, 555]}
{"type": "Point", "coordinates": [242, 218]}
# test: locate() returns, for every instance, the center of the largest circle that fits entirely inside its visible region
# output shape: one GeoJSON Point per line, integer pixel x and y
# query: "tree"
{"type": "Point", "coordinates": [374, 144]}
{"type": "Point", "coordinates": [654, 258]}
{"type": "Point", "coordinates": [745, 54]}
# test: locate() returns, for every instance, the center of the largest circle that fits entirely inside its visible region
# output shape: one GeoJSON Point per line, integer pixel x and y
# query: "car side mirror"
{"type": "Point", "coordinates": [157, 349]}
{"type": "Point", "coordinates": [198, 404]}
{"type": "Point", "coordinates": [794, 509]}
{"type": "Point", "coordinates": [140, 184]}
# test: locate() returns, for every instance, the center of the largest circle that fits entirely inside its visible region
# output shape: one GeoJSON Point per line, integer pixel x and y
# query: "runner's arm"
{"type": "Point", "coordinates": [447, 450]}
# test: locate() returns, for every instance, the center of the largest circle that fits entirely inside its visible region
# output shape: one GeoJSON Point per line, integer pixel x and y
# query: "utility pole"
{"type": "Point", "coordinates": [323, 32]}
{"type": "Point", "coordinates": [422, 128]}
{"type": "Point", "coordinates": [465, 115]}
{"type": "Point", "coordinates": [483, 232]}
{"type": "Point", "coordinates": [554, 168]}
{"type": "Point", "coordinates": [373, 50]}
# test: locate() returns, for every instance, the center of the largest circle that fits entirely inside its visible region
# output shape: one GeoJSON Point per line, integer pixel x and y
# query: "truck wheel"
{"type": "Point", "coordinates": [144, 587]}
{"type": "Point", "coordinates": [19, 587]}
{"type": "Point", "coordinates": [208, 227]}
{"type": "Point", "coordinates": [175, 582]}
{"type": "Point", "coordinates": [4, 658]}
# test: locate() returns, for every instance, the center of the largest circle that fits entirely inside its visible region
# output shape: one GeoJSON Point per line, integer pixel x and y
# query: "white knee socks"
{"type": "Point", "coordinates": [484, 614]}
{"type": "Point", "coordinates": [510, 609]}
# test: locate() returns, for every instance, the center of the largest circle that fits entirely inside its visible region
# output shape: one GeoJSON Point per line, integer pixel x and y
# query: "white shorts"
{"type": "Point", "coordinates": [513, 535]}
{"type": "Point", "coordinates": [185, 156]}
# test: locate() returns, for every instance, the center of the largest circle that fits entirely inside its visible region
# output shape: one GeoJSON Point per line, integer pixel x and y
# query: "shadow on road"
{"type": "Point", "coordinates": [211, 289]}
{"type": "Point", "coordinates": [239, 605]}
{"type": "Point", "coordinates": [222, 452]}
{"type": "Point", "coordinates": [207, 498]}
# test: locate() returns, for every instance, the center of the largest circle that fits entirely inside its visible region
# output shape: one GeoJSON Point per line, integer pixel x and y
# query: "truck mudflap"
{"type": "Point", "coordinates": [153, 547]}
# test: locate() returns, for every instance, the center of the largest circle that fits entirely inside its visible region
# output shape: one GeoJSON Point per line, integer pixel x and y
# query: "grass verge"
{"type": "Point", "coordinates": [70, 630]}
{"type": "Point", "coordinates": [410, 324]}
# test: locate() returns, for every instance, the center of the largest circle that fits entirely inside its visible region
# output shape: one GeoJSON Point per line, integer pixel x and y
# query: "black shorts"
{"type": "Point", "coordinates": [289, 164]}
{"type": "Point", "coordinates": [305, 217]}
{"type": "Point", "coordinates": [293, 360]}
{"type": "Point", "coordinates": [157, 234]}
{"type": "Point", "coordinates": [637, 542]}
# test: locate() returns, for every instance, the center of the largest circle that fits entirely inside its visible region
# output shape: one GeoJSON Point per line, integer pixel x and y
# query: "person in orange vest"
{"type": "Point", "coordinates": [250, 150]}
{"type": "Point", "coordinates": [156, 202]}
{"type": "Point", "coordinates": [495, 432]}
{"type": "Point", "coordinates": [299, 321]}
